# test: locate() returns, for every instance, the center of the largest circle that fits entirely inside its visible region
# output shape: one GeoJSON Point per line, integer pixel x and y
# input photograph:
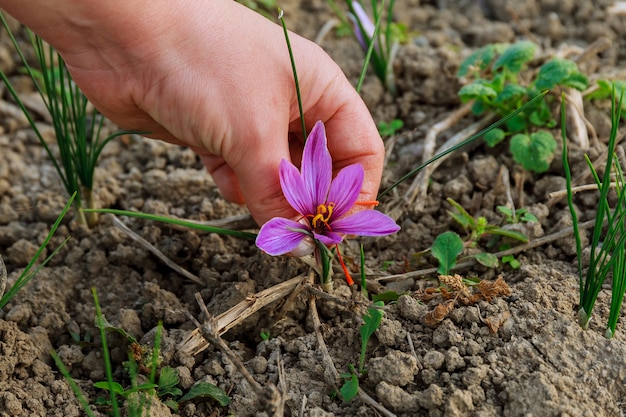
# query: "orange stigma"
{"type": "Point", "coordinates": [324, 212]}
{"type": "Point", "coordinates": [367, 203]}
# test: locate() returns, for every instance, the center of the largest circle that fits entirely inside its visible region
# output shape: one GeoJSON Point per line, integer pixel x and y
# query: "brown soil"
{"type": "Point", "coordinates": [521, 354]}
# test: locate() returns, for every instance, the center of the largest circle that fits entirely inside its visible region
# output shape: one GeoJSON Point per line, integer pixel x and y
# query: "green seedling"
{"type": "Point", "coordinates": [371, 322]}
{"type": "Point", "coordinates": [448, 246]}
{"type": "Point", "coordinates": [479, 227]}
{"type": "Point", "coordinates": [521, 215]}
{"type": "Point", "coordinates": [265, 335]}
{"type": "Point", "coordinates": [496, 72]}
{"type": "Point", "coordinates": [605, 90]}
{"type": "Point", "coordinates": [31, 270]}
{"type": "Point", "coordinates": [78, 127]}
{"type": "Point", "coordinates": [139, 395]}
{"type": "Point", "coordinates": [608, 242]}
{"type": "Point", "coordinates": [389, 129]}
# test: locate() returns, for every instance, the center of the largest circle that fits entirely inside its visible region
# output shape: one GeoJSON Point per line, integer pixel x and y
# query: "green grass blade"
{"type": "Point", "coordinates": [472, 138]}
{"type": "Point", "coordinates": [29, 273]}
{"type": "Point", "coordinates": [75, 388]}
{"type": "Point", "coordinates": [105, 352]}
{"type": "Point", "coordinates": [178, 222]}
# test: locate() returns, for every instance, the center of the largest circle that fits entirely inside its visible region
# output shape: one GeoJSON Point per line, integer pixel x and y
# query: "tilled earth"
{"type": "Point", "coordinates": [519, 352]}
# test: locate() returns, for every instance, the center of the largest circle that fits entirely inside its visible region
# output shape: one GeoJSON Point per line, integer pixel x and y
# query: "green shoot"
{"type": "Point", "coordinates": [495, 72]}
{"type": "Point", "coordinates": [30, 271]}
{"type": "Point", "coordinates": [608, 240]}
{"type": "Point", "coordinates": [389, 129]}
{"type": "Point", "coordinates": [371, 322]}
{"type": "Point", "coordinates": [521, 215]}
{"type": "Point", "coordinates": [75, 388]}
{"type": "Point", "coordinates": [113, 387]}
{"type": "Point", "coordinates": [363, 277]}
{"type": "Point", "coordinates": [265, 335]}
{"type": "Point", "coordinates": [178, 222]}
{"type": "Point", "coordinates": [350, 388]}
{"type": "Point", "coordinates": [479, 227]}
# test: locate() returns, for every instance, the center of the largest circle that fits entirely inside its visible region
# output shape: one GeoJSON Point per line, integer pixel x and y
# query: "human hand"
{"type": "Point", "coordinates": [216, 77]}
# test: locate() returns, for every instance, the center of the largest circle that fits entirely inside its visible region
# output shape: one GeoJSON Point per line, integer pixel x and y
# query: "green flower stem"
{"type": "Point", "coordinates": [178, 222]}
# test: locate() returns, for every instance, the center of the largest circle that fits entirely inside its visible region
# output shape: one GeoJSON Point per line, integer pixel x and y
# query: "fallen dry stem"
{"type": "Point", "coordinates": [152, 249]}
{"type": "Point", "coordinates": [270, 398]}
{"type": "Point", "coordinates": [195, 343]}
{"type": "Point", "coordinates": [471, 262]}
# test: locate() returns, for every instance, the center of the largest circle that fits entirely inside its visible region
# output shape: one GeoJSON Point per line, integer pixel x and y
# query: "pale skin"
{"type": "Point", "coordinates": [213, 76]}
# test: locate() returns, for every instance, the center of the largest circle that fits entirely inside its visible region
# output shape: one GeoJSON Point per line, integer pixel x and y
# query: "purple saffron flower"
{"type": "Point", "coordinates": [360, 16]}
{"type": "Point", "coordinates": [322, 202]}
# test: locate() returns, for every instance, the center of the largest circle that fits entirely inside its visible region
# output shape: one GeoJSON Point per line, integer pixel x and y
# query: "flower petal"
{"type": "Point", "coordinates": [279, 236]}
{"type": "Point", "coordinates": [317, 165]}
{"type": "Point", "coordinates": [294, 189]}
{"type": "Point", "coordinates": [328, 238]}
{"type": "Point", "coordinates": [345, 189]}
{"type": "Point", "coordinates": [366, 223]}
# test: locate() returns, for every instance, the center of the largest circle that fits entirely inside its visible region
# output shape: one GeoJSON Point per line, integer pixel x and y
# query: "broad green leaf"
{"type": "Point", "coordinates": [510, 259]}
{"type": "Point", "coordinates": [386, 297]}
{"type": "Point", "coordinates": [494, 136]}
{"type": "Point", "coordinates": [446, 248]}
{"type": "Point", "coordinates": [478, 60]}
{"type": "Point", "coordinates": [517, 124]}
{"type": "Point", "coordinates": [554, 72]}
{"type": "Point", "coordinates": [117, 388]}
{"type": "Point", "coordinates": [476, 91]}
{"type": "Point", "coordinates": [168, 379]}
{"type": "Point", "coordinates": [206, 390]}
{"type": "Point", "coordinates": [511, 93]}
{"type": "Point", "coordinates": [515, 56]}
{"type": "Point", "coordinates": [350, 388]}
{"type": "Point", "coordinates": [487, 259]}
{"type": "Point", "coordinates": [534, 152]}
{"type": "Point", "coordinates": [577, 80]}
{"type": "Point", "coordinates": [541, 116]}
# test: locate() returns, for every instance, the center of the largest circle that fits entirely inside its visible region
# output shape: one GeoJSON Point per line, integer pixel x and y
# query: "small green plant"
{"type": "Point", "coordinates": [520, 215]}
{"type": "Point", "coordinates": [371, 322]}
{"type": "Point", "coordinates": [265, 335]}
{"type": "Point", "coordinates": [30, 271]}
{"type": "Point", "coordinates": [608, 242]}
{"type": "Point", "coordinates": [138, 396]}
{"type": "Point", "coordinates": [389, 129]}
{"type": "Point", "coordinates": [496, 86]}
{"type": "Point", "coordinates": [606, 88]}
{"type": "Point", "coordinates": [78, 126]}
{"type": "Point", "coordinates": [448, 246]}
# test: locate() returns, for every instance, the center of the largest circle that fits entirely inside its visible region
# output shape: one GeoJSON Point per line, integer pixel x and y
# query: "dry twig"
{"type": "Point", "coordinates": [152, 249]}
{"type": "Point", "coordinates": [195, 343]}
{"type": "Point", "coordinates": [271, 399]}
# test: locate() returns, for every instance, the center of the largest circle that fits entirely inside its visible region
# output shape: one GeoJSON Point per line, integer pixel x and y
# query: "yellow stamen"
{"type": "Point", "coordinates": [324, 211]}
